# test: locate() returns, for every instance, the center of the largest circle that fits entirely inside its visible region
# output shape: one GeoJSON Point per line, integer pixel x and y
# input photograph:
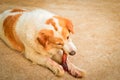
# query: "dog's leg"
{"type": "Point", "coordinates": [44, 61]}
{"type": "Point", "coordinates": [72, 69]}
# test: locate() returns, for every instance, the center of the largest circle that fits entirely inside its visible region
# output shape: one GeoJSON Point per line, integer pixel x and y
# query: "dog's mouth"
{"type": "Point", "coordinates": [64, 58]}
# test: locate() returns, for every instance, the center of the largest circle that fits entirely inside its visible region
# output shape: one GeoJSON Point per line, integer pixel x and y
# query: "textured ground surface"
{"type": "Point", "coordinates": [97, 37]}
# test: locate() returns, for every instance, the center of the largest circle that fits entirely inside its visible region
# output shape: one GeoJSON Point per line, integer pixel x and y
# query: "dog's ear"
{"type": "Point", "coordinates": [69, 26]}
{"type": "Point", "coordinates": [44, 36]}
{"type": "Point", "coordinates": [65, 23]}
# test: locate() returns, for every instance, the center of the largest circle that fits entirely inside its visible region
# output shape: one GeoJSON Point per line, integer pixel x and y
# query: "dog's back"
{"type": "Point", "coordinates": [16, 24]}
{"type": "Point", "coordinates": [8, 20]}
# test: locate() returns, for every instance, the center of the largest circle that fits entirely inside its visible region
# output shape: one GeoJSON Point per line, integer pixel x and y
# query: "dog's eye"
{"type": "Point", "coordinates": [58, 43]}
{"type": "Point", "coordinates": [67, 37]}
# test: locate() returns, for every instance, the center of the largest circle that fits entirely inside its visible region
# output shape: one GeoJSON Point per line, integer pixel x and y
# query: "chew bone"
{"type": "Point", "coordinates": [64, 61]}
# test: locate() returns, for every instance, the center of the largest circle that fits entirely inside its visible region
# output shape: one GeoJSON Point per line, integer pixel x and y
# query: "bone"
{"type": "Point", "coordinates": [64, 61]}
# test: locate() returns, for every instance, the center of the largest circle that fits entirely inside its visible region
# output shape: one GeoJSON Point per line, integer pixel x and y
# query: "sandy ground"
{"type": "Point", "coordinates": [97, 37]}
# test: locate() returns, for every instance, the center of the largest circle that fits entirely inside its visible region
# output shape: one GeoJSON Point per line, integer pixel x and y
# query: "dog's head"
{"type": "Point", "coordinates": [57, 38]}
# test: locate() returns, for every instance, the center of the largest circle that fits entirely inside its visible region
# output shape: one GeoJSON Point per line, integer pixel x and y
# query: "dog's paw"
{"type": "Point", "coordinates": [76, 73]}
{"type": "Point", "coordinates": [55, 67]}
{"type": "Point", "coordinates": [58, 71]}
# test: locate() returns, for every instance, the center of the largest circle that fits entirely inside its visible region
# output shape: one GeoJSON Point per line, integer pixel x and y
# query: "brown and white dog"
{"type": "Point", "coordinates": [42, 36]}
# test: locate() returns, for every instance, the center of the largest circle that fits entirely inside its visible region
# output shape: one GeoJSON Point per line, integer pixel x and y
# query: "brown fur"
{"type": "Point", "coordinates": [9, 30]}
{"type": "Point", "coordinates": [44, 36]}
{"type": "Point", "coordinates": [18, 10]}
{"type": "Point", "coordinates": [65, 23]}
{"type": "Point", "coordinates": [47, 39]}
{"type": "Point", "coordinates": [50, 21]}
{"type": "Point", "coordinates": [65, 33]}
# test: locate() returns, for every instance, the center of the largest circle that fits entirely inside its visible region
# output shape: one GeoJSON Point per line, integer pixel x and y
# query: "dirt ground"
{"type": "Point", "coordinates": [97, 37]}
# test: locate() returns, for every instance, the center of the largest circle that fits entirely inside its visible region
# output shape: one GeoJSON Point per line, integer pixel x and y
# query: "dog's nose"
{"type": "Point", "coordinates": [72, 53]}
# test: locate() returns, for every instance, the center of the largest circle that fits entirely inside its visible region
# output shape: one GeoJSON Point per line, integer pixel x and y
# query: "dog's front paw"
{"type": "Point", "coordinates": [58, 71]}
{"type": "Point", "coordinates": [76, 73]}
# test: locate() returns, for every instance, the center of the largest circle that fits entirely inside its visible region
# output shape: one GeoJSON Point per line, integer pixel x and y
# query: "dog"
{"type": "Point", "coordinates": [42, 36]}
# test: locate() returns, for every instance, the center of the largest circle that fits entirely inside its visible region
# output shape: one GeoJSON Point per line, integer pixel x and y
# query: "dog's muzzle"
{"type": "Point", "coordinates": [70, 48]}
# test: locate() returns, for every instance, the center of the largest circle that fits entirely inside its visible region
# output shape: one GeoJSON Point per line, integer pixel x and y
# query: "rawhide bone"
{"type": "Point", "coordinates": [64, 61]}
